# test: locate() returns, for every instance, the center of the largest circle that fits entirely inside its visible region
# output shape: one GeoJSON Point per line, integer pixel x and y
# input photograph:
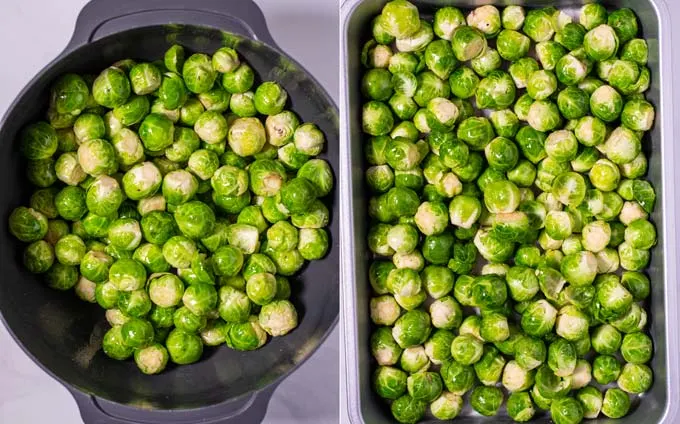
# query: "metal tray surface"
{"type": "Point", "coordinates": [661, 404]}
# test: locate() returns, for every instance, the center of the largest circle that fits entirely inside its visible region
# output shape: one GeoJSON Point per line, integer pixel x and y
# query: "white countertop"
{"type": "Point", "coordinates": [35, 32]}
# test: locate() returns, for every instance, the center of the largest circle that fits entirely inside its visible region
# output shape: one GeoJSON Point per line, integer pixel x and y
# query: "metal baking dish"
{"type": "Point", "coordinates": [662, 402]}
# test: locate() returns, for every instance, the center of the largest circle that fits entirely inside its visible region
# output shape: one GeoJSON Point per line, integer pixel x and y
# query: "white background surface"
{"type": "Point", "coordinates": [35, 32]}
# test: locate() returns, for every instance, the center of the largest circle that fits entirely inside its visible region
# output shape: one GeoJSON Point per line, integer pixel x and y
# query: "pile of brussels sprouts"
{"type": "Point", "coordinates": [179, 196]}
{"type": "Point", "coordinates": [513, 136]}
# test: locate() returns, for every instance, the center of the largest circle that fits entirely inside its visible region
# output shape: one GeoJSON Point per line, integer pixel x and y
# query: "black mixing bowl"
{"type": "Point", "coordinates": [63, 334]}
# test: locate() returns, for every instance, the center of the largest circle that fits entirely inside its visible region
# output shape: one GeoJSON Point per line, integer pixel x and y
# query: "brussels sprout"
{"type": "Point", "coordinates": [29, 225]}
{"type": "Point", "coordinates": [416, 41]}
{"type": "Point", "coordinates": [384, 310]}
{"type": "Point", "coordinates": [425, 386]}
{"type": "Point", "coordinates": [135, 303]}
{"type": "Point", "coordinates": [616, 403]}
{"type": "Point", "coordinates": [468, 42]}
{"type": "Point", "coordinates": [384, 347]}
{"type": "Point", "coordinates": [486, 400]}
{"type": "Point", "coordinates": [486, 62]}
{"type": "Point", "coordinates": [261, 288]}
{"type": "Point", "coordinates": [125, 233]}
{"type": "Point", "coordinates": [70, 249]}
{"type": "Point", "coordinates": [447, 406]}
{"type": "Point", "coordinates": [408, 410]}
{"type": "Point", "coordinates": [70, 94]}
{"type": "Point", "coordinates": [89, 126]}
{"type": "Point", "coordinates": [414, 360]}
{"type": "Point", "coordinates": [512, 45]}
{"type": "Point", "coordinates": [637, 348]}
{"type": "Point", "coordinates": [539, 318]}
{"type": "Point", "coordinates": [38, 257]}
{"type": "Point", "coordinates": [466, 349]}
{"type": "Point", "coordinates": [543, 115]}
{"type": "Point", "coordinates": [635, 378]}
{"type": "Point", "coordinates": [496, 91]}
{"type": "Point", "coordinates": [137, 333]}
{"type": "Point", "coordinates": [183, 347]}
{"type": "Point", "coordinates": [111, 88]}
{"type": "Point", "coordinates": [501, 197]}
{"type": "Point", "coordinates": [151, 256]}
{"type": "Point", "coordinates": [61, 277]}
{"type": "Point", "coordinates": [97, 157]}
{"type": "Point", "coordinates": [152, 359]}
{"type": "Point", "coordinates": [622, 146]}
{"type": "Point", "coordinates": [494, 327]}
{"type": "Point", "coordinates": [113, 345]}
{"type": "Point", "coordinates": [640, 234]}
{"type": "Point", "coordinates": [145, 78]}
{"type": "Point", "coordinates": [638, 115]}
{"type": "Point", "coordinates": [516, 379]}
{"type": "Point", "coordinates": [389, 382]}
{"type": "Point", "coordinates": [566, 410]}
{"type": "Point", "coordinates": [200, 298]}
{"type": "Point", "coordinates": [562, 357]}
{"type": "Point", "coordinates": [412, 328]}
{"type": "Point", "coordinates": [632, 259]}
{"type": "Point", "coordinates": [519, 406]}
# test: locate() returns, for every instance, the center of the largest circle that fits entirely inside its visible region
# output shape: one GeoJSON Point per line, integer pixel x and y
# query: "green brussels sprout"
{"type": "Point", "coordinates": [512, 45]}
{"type": "Point", "coordinates": [550, 386]}
{"type": "Point", "coordinates": [238, 80]}
{"type": "Point", "coordinates": [439, 58]}
{"type": "Point", "coordinates": [376, 84]}
{"type": "Point", "coordinates": [486, 400]}
{"type": "Point", "coordinates": [522, 283]}
{"type": "Point", "coordinates": [562, 357]}
{"type": "Point", "coordinates": [215, 100]}
{"type": "Point", "coordinates": [466, 349]}
{"type": "Point", "coordinates": [127, 275]}
{"type": "Point", "coordinates": [467, 42]}
{"type": "Point", "coordinates": [107, 295]}
{"type": "Point", "coordinates": [113, 345]}
{"type": "Point", "coordinates": [416, 41]}
{"type": "Point", "coordinates": [129, 113]}
{"type": "Point", "coordinates": [637, 348]}
{"type": "Point", "coordinates": [128, 147]}
{"type": "Point", "coordinates": [604, 175]}
{"type": "Point", "coordinates": [389, 382]}
{"type": "Point", "coordinates": [156, 132]}
{"type": "Point", "coordinates": [539, 318]}
{"type": "Point", "coordinates": [85, 290]}
{"type": "Point", "coordinates": [211, 127]}
{"type": "Point", "coordinates": [622, 146]}
{"type": "Point", "coordinates": [70, 94]}
{"type": "Point", "coordinates": [635, 50]}
{"type": "Point", "coordinates": [519, 406]}
{"type": "Point", "coordinates": [516, 379]}
{"type": "Point", "coordinates": [61, 277]}
{"type": "Point", "coordinates": [261, 288]}
{"type": "Point", "coordinates": [281, 127]}
{"type": "Point", "coordinates": [491, 247]}
{"type": "Point", "coordinates": [195, 219]}
{"type": "Point", "coordinates": [566, 410]}
{"type": "Point", "coordinates": [486, 62]}
{"type": "Point", "coordinates": [145, 78]}
{"type": "Point", "coordinates": [270, 98]}
{"type": "Point", "coordinates": [544, 115]}
{"type": "Point", "coordinates": [172, 93]}
{"type": "Point", "coordinates": [97, 157]}
{"type": "Point", "coordinates": [527, 256]}
{"type": "Point", "coordinates": [496, 91]}
{"type": "Point", "coordinates": [437, 281]}
{"type": "Point", "coordinates": [203, 163]}
{"type": "Point", "coordinates": [447, 406]}
{"type": "Point", "coordinates": [152, 359]}
{"type": "Point", "coordinates": [425, 386]}
{"type": "Point", "coordinates": [635, 378]}
{"type": "Point", "coordinates": [637, 284]}
{"type": "Point", "coordinates": [538, 25]}
{"type": "Point", "coordinates": [523, 175]}
{"type": "Point", "coordinates": [624, 23]}
{"type": "Point", "coordinates": [571, 70]}
{"type": "Point", "coordinates": [234, 306]}
{"type": "Point", "coordinates": [400, 18]}
{"type": "Point", "coordinates": [429, 87]}
{"type": "Point", "coordinates": [38, 257]}
{"type": "Point", "coordinates": [178, 251]}
{"type": "Point", "coordinates": [573, 103]}
{"type": "Point", "coordinates": [530, 352]}
{"type": "Point", "coordinates": [41, 173]}
{"type": "Point", "coordinates": [501, 197]}
{"type": "Point", "coordinates": [308, 139]}
{"type": "Point", "coordinates": [549, 53]}
{"type": "Point", "coordinates": [404, 108]}
{"type": "Point", "coordinates": [137, 333]}
{"type": "Point", "coordinates": [198, 73]}
{"type": "Point", "coordinates": [521, 69]}
{"type": "Point", "coordinates": [89, 126]}
{"type": "Point", "coordinates": [606, 369]}
{"type": "Point", "coordinates": [158, 227]}
{"type": "Point", "coordinates": [579, 268]}
{"type": "Point", "coordinates": [632, 259]}
{"type": "Point", "coordinates": [29, 225]}
{"type": "Point", "coordinates": [601, 42]}
{"type": "Point", "coordinates": [638, 115]}
{"type": "Point", "coordinates": [151, 256]}
{"type": "Point", "coordinates": [384, 310]}
{"type": "Point", "coordinates": [583, 162]}
{"type": "Point", "coordinates": [246, 336]}
{"type": "Point", "coordinates": [505, 123]}
{"type": "Point", "coordinates": [246, 136]}
{"type": "Point", "coordinates": [501, 154]}
{"type": "Point", "coordinates": [70, 203]}
{"type": "Point", "coordinates": [446, 313]}
{"type": "Point", "coordinates": [183, 347]}
{"type": "Point", "coordinates": [70, 249]}
{"type": "Point", "coordinates": [179, 187]}
{"type": "Point", "coordinates": [165, 290]}
{"type": "Point", "coordinates": [408, 410]}
{"type": "Point", "coordinates": [412, 328]}
{"type": "Point", "coordinates": [125, 233]}
{"type": "Point", "coordinates": [380, 178]}
{"type": "Point", "coordinates": [186, 320]}
{"type": "Point", "coordinates": [457, 377]}
{"type": "Point", "coordinates": [111, 88]}
{"type": "Point", "coordinates": [134, 303]}
{"type": "Point", "coordinates": [38, 141]}
{"type": "Point", "coordinates": [640, 234]}
{"type": "Point", "coordinates": [531, 143]}
{"type": "Point", "coordinates": [142, 180]}
{"type": "Point", "coordinates": [606, 103]}
{"type": "Point", "coordinates": [200, 298]}
{"type": "Point", "coordinates": [494, 328]}
{"type": "Point", "coordinates": [414, 360]}
{"type": "Point", "coordinates": [463, 82]}
{"type": "Point", "coordinates": [477, 132]}
{"type": "Point", "coordinates": [384, 348]}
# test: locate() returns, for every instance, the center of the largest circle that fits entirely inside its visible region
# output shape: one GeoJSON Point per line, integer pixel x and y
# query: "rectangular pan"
{"type": "Point", "coordinates": [662, 403]}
